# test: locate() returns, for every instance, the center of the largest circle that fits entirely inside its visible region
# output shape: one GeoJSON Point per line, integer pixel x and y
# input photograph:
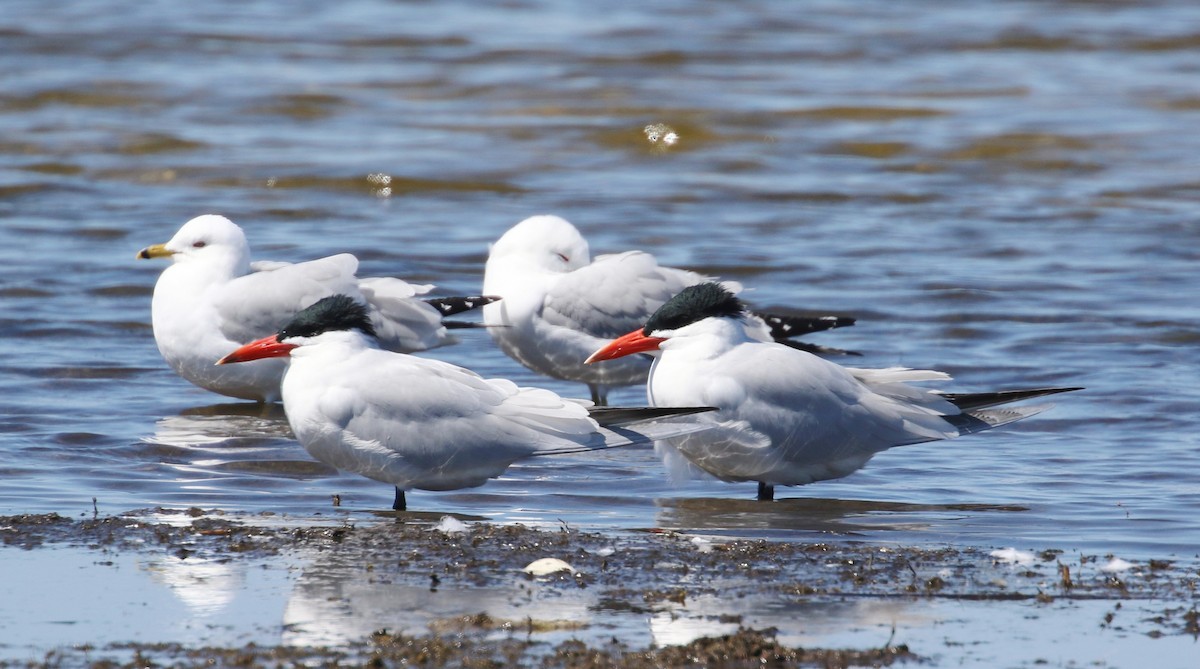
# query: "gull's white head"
{"type": "Point", "coordinates": [208, 235]}
{"type": "Point", "coordinates": [210, 239]}
{"type": "Point", "coordinates": [547, 243]}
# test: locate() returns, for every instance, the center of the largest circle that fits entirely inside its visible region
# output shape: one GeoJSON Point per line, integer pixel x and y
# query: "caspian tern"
{"type": "Point", "coordinates": [560, 304]}
{"type": "Point", "coordinates": [212, 298]}
{"type": "Point", "coordinates": [786, 417]}
{"type": "Point", "coordinates": [421, 423]}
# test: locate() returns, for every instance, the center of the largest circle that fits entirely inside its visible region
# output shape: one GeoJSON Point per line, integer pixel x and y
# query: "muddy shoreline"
{"type": "Point", "coordinates": [635, 574]}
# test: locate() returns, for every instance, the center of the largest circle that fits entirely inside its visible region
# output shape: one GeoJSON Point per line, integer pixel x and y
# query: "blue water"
{"type": "Point", "coordinates": [1006, 192]}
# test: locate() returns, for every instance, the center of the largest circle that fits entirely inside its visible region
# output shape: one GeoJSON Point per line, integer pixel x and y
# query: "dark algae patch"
{"type": "Point", "coordinates": [745, 649]}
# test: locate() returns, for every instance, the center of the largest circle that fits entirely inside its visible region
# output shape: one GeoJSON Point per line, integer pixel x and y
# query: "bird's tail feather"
{"type": "Point", "coordinates": [978, 420]}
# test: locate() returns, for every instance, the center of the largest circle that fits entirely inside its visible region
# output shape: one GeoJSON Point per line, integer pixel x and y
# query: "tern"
{"type": "Point", "coordinates": [212, 298]}
{"type": "Point", "coordinates": [560, 304]}
{"type": "Point", "coordinates": [422, 423]}
{"type": "Point", "coordinates": [786, 417]}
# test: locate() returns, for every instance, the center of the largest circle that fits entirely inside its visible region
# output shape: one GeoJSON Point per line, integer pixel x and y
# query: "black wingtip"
{"type": "Point", "coordinates": [784, 326]}
{"type": "Point", "coordinates": [449, 306]}
{"type": "Point", "coordinates": [972, 401]}
{"type": "Point", "coordinates": [616, 416]}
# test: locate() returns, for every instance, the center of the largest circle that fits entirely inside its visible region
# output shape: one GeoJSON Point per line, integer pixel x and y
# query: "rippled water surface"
{"type": "Point", "coordinates": [1005, 191]}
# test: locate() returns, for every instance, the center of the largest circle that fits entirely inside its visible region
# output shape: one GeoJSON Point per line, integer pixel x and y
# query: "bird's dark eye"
{"type": "Point", "coordinates": [199, 245]}
{"type": "Point", "coordinates": [563, 257]}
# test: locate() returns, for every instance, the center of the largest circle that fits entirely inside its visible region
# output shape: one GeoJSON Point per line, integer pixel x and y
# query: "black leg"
{"type": "Point", "coordinates": [766, 493]}
{"type": "Point", "coordinates": [599, 395]}
{"type": "Point", "coordinates": [398, 503]}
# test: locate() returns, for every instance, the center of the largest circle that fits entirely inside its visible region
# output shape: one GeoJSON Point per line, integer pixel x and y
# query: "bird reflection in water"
{"type": "Point", "coordinates": [836, 517]}
{"type": "Point", "coordinates": [206, 586]}
{"type": "Point", "coordinates": [230, 449]}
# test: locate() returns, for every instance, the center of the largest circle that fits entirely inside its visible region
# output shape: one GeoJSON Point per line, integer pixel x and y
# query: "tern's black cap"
{"type": "Point", "coordinates": [693, 304]}
{"type": "Point", "coordinates": [329, 314]}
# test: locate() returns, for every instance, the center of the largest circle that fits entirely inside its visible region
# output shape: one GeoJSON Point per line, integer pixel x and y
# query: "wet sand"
{"type": "Point", "coordinates": [634, 575]}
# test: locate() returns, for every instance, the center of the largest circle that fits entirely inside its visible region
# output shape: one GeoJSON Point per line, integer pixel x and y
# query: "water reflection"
{"type": "Point", "coordinates": [798, 623]}
{"type": "Point", "coordinates": [838, 517]}
{"type": "Point", "coordinates": [71, 596]}
{"type": "Point", "coordinates": [220, 453]}
{"type": "Point", "coordinates": [232, 438]}
{"type": "Point", "coordinates": [335, 604]}
{"type": "Point", "coordinates": [205, 586]}
{"type": "Point", "coordinates": [221, 424]}
{"type": "Point", "coordinates": [338, 600]}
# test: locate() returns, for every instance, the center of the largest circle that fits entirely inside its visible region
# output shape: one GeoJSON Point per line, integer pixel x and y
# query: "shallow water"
{"type": "Point", "coordinates": [1004, 192]}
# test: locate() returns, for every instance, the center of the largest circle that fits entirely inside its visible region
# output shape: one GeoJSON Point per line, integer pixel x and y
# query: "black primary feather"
{"type": "Point", "coordinates": [617, 416]}
{"type": "Point", "coordinates": [449, 306]}
{"type": "Point", "coordinates": [973, 401]}
{"type": "Point", "coordinates": [329, 314]}
{"type": "Point", "coordinates": [693, 304]}
{"type": "Point", "coordinates": [784, 326]}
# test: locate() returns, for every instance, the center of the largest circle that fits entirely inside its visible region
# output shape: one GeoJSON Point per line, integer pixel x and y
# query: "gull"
{"type": "Point", "coordinates": [212, 298]}
{"type": "Point", "coordinates": [560, 304]}
{"type": "Point", "coordinates": [786, 417]}
{"type": "Point", "coordinates": [422, 423]}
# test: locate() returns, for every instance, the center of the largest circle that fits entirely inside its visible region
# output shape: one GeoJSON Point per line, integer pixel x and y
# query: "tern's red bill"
{"type": "Point", "coordinates": [634, 342]}
{"type": "Point", "coordinates": [267, 347]}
